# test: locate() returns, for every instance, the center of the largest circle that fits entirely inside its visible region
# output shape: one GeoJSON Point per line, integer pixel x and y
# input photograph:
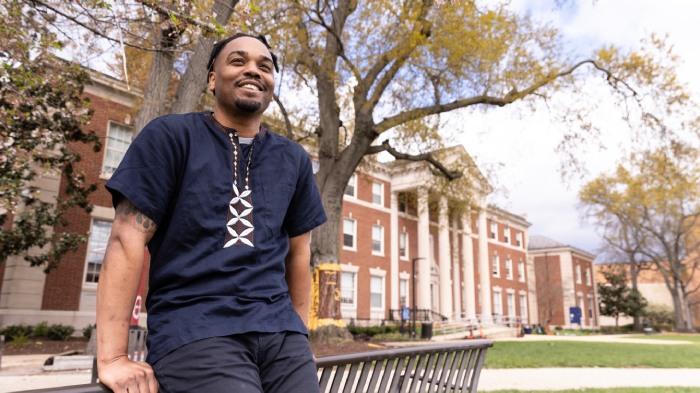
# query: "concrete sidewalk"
{"type": "Point", "coordinates": [576, 378]}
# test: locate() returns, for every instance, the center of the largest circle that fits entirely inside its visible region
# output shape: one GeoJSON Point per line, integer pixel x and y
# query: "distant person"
{"type": "Point", "coordinates": [226, 208]}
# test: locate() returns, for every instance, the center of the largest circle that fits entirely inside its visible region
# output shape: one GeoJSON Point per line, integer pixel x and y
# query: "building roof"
{"type": "Point", "coordinates": [543, 243]}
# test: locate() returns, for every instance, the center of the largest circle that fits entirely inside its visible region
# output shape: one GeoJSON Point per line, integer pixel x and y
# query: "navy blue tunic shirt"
{"type": "Point", "coordinates": [179, 172]}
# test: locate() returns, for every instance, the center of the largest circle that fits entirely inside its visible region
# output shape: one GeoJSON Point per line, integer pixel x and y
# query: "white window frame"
{"type": "Point", "coordinates": [493, 232]}
{"type": "Point", "coordinates": [591, 307]}
{"type": "Point", "coordinates": [589, 277]}
{"type": "Point", "coordinates": [510, 303]}
{"type": "Point", "coordinates": [522, 299]}
{"type": "Point", "coordinates": [496, 262]}
{"type": "Point", "coordinates": [519, 239]}
{"type": "Point", "coordinates": [578, 274]}
{"type": "Point", "coordinates": [86, 283]}
{"type": "Point", "coordinates": [379, 252]}
{"type": "Point", "coordinates": [497, 294]}
{"type": "Point", "coordinates": [406, 255]}
{"type": "Point", "coordinates": [406, 281]}
{"type": "Point", "coordinates": [103, 173]}
{"type": "Point", "coordinates": [506, 234]}
{"type": "Point", "coordinates": [509, 268]}
{"type": "Point", "coordinates": [350, 310]}
{"type": "Point", "coordinates": [381, 193]}
{"type": "Point", "coordinates": [377, 312]}
{"type": "Point", "coordinates": [352, 182]}
{"type": "Point", "coordinates": [521, 271]}
{"type": "Point", "coordinates": [354, 234]}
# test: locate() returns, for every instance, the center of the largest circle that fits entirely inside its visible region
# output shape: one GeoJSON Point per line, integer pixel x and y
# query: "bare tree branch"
{"type": "Point", "coordinates": [285, 115]}
{"type": "Point", "coordinates": [385, 146]}
{"type": "Point", "coordinates": [509, 98]}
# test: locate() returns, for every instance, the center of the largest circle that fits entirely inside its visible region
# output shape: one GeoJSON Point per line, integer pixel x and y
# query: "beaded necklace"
{"type": "Point", "coordinates": [240, 218]}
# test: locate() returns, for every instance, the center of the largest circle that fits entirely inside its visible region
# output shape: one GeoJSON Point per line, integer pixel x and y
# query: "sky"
{"type": "Point", "coordinates": [515, 146]}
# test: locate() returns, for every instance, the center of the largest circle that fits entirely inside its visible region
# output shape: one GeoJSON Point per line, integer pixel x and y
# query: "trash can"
{"type": "Point", "coordinates": [426, 330]}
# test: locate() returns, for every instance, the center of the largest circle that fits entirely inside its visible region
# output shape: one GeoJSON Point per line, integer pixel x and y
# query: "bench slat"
{"type": "Point", "coordinates": [350, 381]}
{"type": "Point", "coordinates": [338, 378]}
{"type": "Point", "coordinates": [325, 376]}
{"type": "Point", "coordinates": [388, 372]}
{"type": "Point", "coordinates": [378, 366]}
{"type": "Point", "coordinates": [409, 374]}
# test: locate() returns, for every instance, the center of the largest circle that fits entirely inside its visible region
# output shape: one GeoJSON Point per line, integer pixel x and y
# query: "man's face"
{"type": "Point", "coordinates": [243, 78]}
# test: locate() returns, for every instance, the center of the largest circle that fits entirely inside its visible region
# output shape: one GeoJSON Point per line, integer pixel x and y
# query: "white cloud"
{"type": "Point", "coordinates": [519, 144]}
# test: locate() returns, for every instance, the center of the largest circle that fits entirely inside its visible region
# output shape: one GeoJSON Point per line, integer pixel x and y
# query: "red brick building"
{"type": "Point", "coordinates": [471, 263]}
{"type": "Point", "coordinates": [564, 279]}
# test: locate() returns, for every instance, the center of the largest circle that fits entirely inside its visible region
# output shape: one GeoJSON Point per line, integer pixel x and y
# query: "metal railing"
{"type": "Point", "coordinates": [430, 368]}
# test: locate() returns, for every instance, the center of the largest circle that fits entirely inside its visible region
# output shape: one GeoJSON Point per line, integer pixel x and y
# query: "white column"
{"type": "Point", "coordinates": [394, 236]}
{"type": "Point", "coordinates": [444, 258]}
{"type": "Point", "coordinates": [484, 269]}
{"type": "Point", "coordinates": [423, 276]}
{"type": "Point", "coordinates": [456, 275]}
{"type": "Point", "coordinates": [468, 266]}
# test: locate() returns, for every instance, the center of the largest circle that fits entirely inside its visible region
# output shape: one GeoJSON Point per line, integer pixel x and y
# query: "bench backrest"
{"type": "Point", "coordinates": [447, 367]}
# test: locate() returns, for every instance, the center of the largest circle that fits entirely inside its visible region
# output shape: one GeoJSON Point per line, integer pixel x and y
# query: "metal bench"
{"type": "Point", "coordinates": [447, 367]}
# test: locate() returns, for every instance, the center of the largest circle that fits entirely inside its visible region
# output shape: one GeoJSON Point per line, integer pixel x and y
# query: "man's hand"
{"type": "Point", "coordinates": [123, 375]}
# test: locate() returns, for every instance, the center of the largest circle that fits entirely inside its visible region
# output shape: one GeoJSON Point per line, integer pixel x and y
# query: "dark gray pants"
{"type": "Point", "coordinates": [251, 362]}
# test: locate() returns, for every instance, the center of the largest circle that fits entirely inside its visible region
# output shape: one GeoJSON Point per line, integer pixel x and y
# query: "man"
{"type": "Point", "coordinates": [225, 208]}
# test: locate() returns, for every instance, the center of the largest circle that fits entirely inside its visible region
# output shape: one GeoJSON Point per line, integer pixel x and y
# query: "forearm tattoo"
{"type": "Point", "coordinates": [127, 211]}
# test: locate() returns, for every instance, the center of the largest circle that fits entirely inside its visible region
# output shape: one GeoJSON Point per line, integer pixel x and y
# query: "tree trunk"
{"type": "Point", "coordinates": [681, 311]}
{"type": "Point", "coordinates": [194, 80]}
{"type": "Point", "coordinates": [634, 278]}
{"type": "Point", "coordinates": [156, 91]}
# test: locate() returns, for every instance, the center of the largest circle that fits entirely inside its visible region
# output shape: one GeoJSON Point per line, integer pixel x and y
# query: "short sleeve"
{"type": "Point", "coordinates": [147, 175]}
{"type": "Point", "coordinates": [305, 211]}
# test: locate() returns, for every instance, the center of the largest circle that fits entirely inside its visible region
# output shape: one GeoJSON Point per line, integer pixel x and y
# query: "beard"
{"type": "Point", "coordinates": [247, 106]}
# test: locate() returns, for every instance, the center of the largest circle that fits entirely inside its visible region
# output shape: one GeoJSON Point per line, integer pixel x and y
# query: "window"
{"type": "Point", "coordinates": [578, 274]}
{"type": "Point", "coordinates": [347, 288]}
{"type": "Point", "coordinates": [494, 228]}
{"type": "Point", "coordinates": [510, 301]}
{"type": "Point", "coordinates": [588, 277]}
{"type": "Point", "coordinates": [378, 193]}
{"type": "Point", "coordinates": [506, 234]}
{"type": "Point", "coordinates": [403, 245]}
{"type": "Point", "coordinates": [403, 292]}
{"type": "Point", "coordinates": [519, 239]}
{"type": "Point", "coordinates": [497, 302]}
{"type": "Point", "coordinates": [97, 245]}
{"type": "Point", "coordinates": [496, 267]}
{"type": "Point", "coordinates": [377, 239]}
{"type": "Point", "coordinates": [376, 291]}
{"type": "Point", "coordinates": [349, 233]}
{"type": "Point", "coordinates": [509, 269]}
{"type": "Point", "coordinates": [403, 203]}
{"type": "Point", "coordinates": [590, 308]}
{"type": "Point", "coordinates": [523, 307]}
{"type": "Point", "coordinates": [521, 271]}
{"type": "Point", "coordinates": [351, 187]}
{"type": "Point", "coordinates": [118, 140]}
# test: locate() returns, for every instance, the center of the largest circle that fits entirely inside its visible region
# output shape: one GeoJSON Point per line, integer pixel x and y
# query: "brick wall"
{"type": "Point", "coordinates": [550, 296]}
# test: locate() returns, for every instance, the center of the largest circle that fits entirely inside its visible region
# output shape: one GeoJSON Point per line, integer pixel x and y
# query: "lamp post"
{"type": "Point", "coordinates": [413, 301]}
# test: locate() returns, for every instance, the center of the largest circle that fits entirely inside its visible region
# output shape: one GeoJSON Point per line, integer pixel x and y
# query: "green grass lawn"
{"type": "Point", "coordinates": [513, 354]}
{"type": "Point", "coordinates": [609, 390]}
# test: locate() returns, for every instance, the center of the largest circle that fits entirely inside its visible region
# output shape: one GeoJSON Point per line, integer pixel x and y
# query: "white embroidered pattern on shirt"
{"type": "Point", "coordinates": [240, 227]}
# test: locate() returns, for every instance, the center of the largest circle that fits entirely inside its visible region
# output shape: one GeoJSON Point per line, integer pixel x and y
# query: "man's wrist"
{"type": "Point", "coordinates": [107, 360]}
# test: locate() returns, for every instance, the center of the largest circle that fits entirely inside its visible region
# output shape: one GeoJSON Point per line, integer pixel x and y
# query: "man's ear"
{"type": "Point", "coordinates": [211, 81]}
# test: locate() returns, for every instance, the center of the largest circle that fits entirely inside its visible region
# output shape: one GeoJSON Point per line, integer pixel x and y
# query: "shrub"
{"type": "Point", "coordinates": [372, 330]}
{"type": "Point", "coordinates": [41, 330]}
{"type": "Point", "coordinates": [11, 332]}
{"type": "Point", "coordinates": [60, 332]}
{"type": "Point", "coordinates": [88, 330]}
{"type": "Point", "coordinates": [659, 317]}
{"type": "Point", "coordinates": [19, 341]}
